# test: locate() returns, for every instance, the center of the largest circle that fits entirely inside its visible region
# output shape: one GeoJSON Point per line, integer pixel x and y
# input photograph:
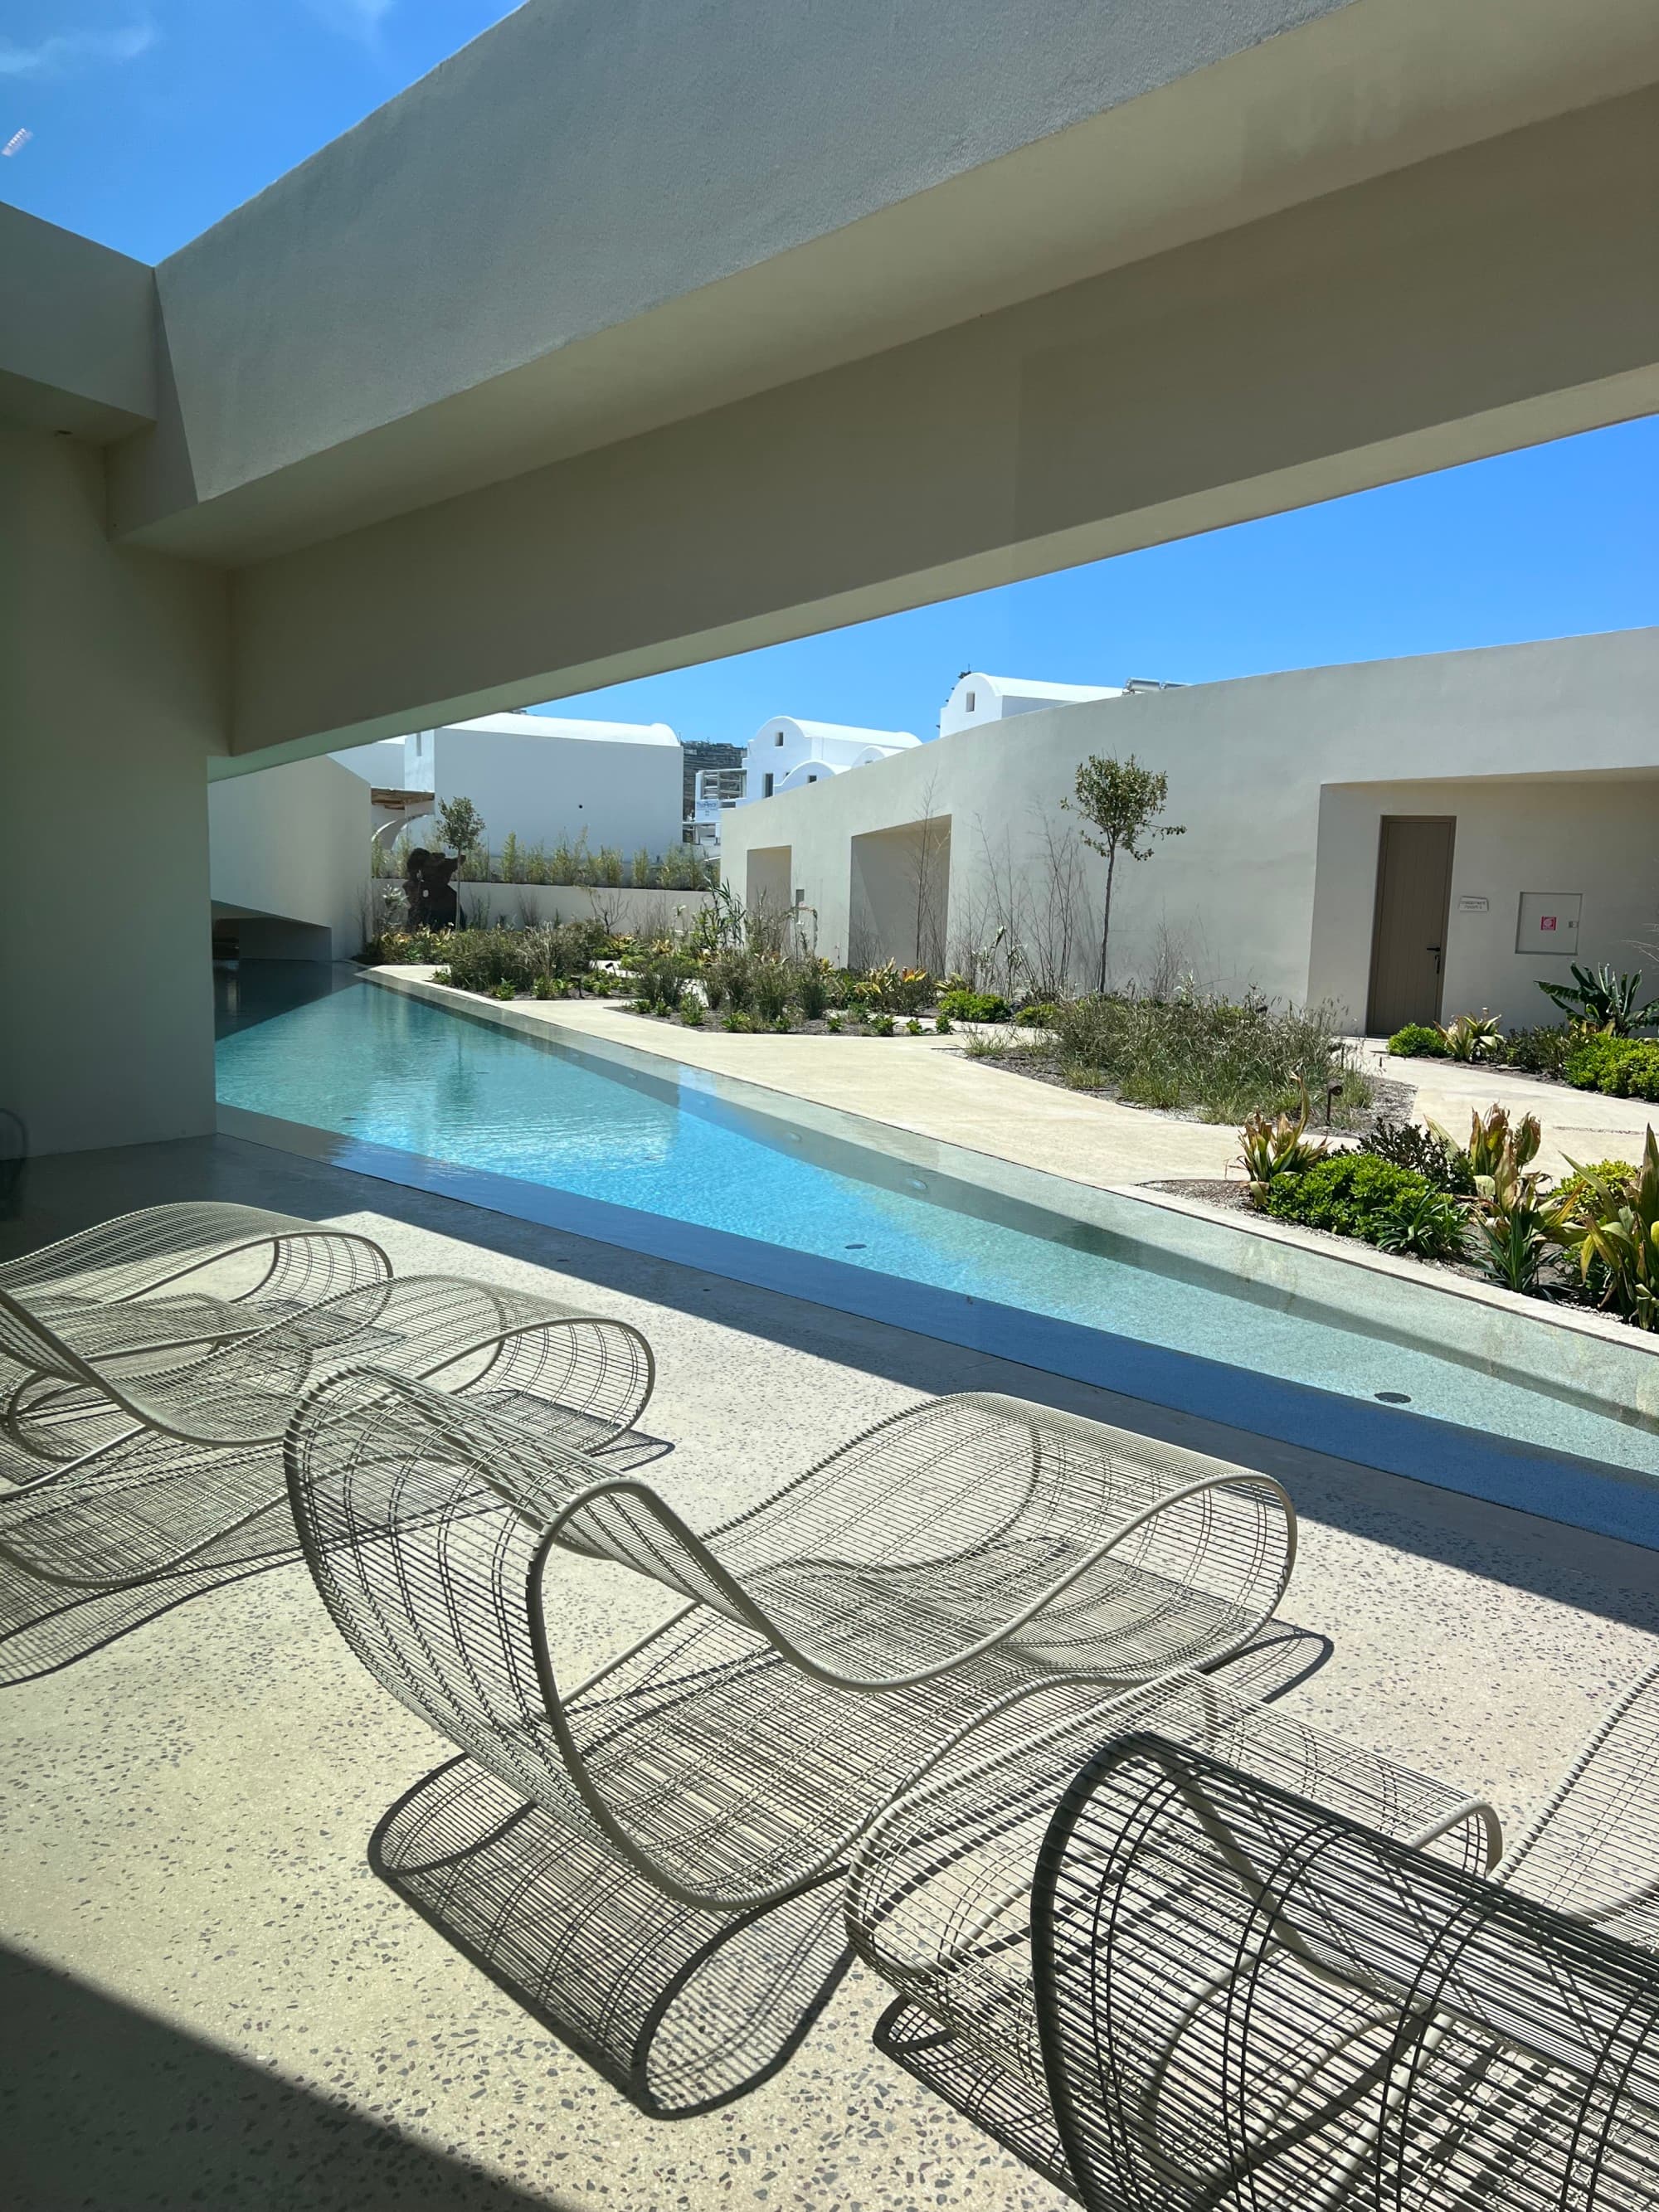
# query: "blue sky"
{"type": "Point", "coordinates": [148, 119]}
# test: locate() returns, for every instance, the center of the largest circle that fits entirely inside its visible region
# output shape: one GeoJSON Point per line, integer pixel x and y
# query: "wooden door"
{"type": "Point", "coordinates": [1408, 937]}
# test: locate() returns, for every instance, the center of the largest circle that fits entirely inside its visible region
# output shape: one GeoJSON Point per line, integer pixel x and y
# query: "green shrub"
{"type": "Point", "coordinates": [881, 1025]}
{"type": "Point", "coordinates": [942, 1026]}
{"type": "Point", "coordinates": [1040, 1015]}
{"type": "Point", "coordinates": [1538, 1052]}
{"type": "Point", "coordinates": [1277, 1145]}
{"type": "Point", "coordinates": [1611, 1228]}
{"type": "Point", "coordinates": [731, 976]}
{"type": "Point", "coordinates": [770, 989]}
{"type": "Point", "coordinates": [973, 1006]}
{"type": "Point", "coordinates": [1623, 1067]}
{"type": "Point", "coordinates": [1426, 1152]}
{"type": "Point", "coordinates": [812, 992]}
{"type": "Point", "coordinates": [1430, 1226]}
{"type": "Point", "coordinates": [503, 991]}
{"type": "Point", "coordinates": [1353, 1194]}
{"type": "Point", "coordinates": [550, 987]}
{"type": "Point", "coordinates": [739, 1023]}
{"type": "Point", "coordinates": [692, 1012]}
{"type": "Point", "coordinates": [443, 976]}
{"type": "Point", "coordinates": [1419, 1040]}
{"type": "Point", "coordinates": [1220, 1057]}
{"type": "Point", "coordinates": [642, 872]}
{"type": "Point", "coordinates": [832, 1022]}
{"type": "Point", "coordinates": [1472, 1037]}
{"type": "Point", "coordinates": [913, 1027]}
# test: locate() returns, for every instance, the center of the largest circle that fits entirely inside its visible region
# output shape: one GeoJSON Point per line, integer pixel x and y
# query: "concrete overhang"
{"type": "Point", "coordinates": [77, 332]}
{"type": "Point", "coordinates": [602, 219]}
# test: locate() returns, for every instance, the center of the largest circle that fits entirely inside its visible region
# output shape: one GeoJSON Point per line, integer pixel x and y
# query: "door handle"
{"type": "Point", "coordinates": [1435, 949]}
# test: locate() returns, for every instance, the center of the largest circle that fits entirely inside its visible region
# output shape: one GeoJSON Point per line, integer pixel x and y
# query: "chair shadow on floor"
{"type": "Point", "coordinates": [105, 2107]}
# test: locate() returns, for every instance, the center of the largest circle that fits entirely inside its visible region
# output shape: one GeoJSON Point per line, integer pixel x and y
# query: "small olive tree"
{"type": "Point", "coordinates": [461, 827]}
{"type": "Point", "coordinates": [1120, 802]}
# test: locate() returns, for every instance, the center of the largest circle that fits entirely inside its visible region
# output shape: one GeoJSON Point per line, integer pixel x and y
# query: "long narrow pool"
{"type": "Point", "coordinates": [848, 1224]}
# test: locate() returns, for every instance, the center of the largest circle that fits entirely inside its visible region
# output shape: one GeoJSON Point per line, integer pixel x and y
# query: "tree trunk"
{"type": "Point", "coordinates": [1106, 919]}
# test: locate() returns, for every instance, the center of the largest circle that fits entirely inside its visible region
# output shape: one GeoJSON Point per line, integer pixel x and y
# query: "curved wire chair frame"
{"type": "Point", "coordinates": [1247, 1996]}
{"type": "Point", "coordinates": [91, 1322]}
{"type": "Point", "coordinates": [137, 1523]}
{"type": "Point", "coordinates": [733, 1756]}
{"type": "Point", "coordinates": [938, 1897]}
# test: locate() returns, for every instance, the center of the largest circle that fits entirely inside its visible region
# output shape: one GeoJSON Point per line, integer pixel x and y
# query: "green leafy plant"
{"type": "Point", "coordinates": [503, 991]}
{"type": "Point", "coordinates": [1120, 802]}
{"type": "Point", "coordinates": [1474, 1037]}
{"type": "Point", "coordinates": [739, 1023]}
{"type": "Point", "coordinates": [1611, 1228]}
{"type": "Point", "coordinates": [1601, 998]}
{"type": "Point", "coordinates": [692, 1012]}
{"type": "Point", "coordinates": [550, 987]}
{"type": "Point", "coordinates": [942, 1026]}
{"type": "Point", "coordinates": [1351, 1193]}
{"type": "Point", "coordinates": [1497, 1145]}
{"type": "Point", "coordinates": [1419, 1040]}
{"type": "Point", "coordinates": [1622, 1067]}
{"type": "Point", "coordinates": [1040, 1015]}
{"type": "Point", "coordinates": [442, 975]}
{"type": "Point", "coordinates": [1516, 1227]}
{"type": "Point", "coordinates": [811, 990]}
{"type": "Point", "coordinates": [1428, 1224]}
{"type": "Point", "coordinates": [642, 870]}
{"type": "Point", "coordinates": [913, 1027]}
{"type": "Point", "coordinates": [461, 828]}
{"type": "Point", "coordinates": [1425, 1151]}
{"type": "Point", "coordinates": [973, 1005]}
{"type": "Point", "coordinates": [832, 1023]}
{"type": "Point", "coordinates": [1538, 1052]}
{"type": "Point", "coordinates": [770, 988]}
{"type": "Point", "coordinates": [881, 1025]}
{"type": "Point", "coordinates": [1277, 1145]}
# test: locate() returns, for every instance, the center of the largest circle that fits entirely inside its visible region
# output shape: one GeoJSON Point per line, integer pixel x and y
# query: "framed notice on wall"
{"type": "Point", "coordinates": [1548, 922]}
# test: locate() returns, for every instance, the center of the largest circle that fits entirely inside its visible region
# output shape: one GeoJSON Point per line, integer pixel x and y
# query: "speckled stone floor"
{"type": "Point", "coordinates": [206, 1998]}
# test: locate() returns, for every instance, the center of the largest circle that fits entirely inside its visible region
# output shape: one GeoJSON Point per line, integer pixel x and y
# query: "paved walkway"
{"type": "Point", "coordinates": [1577, 1125]}
{"type": "Point", "coordinates": [928, 1084]}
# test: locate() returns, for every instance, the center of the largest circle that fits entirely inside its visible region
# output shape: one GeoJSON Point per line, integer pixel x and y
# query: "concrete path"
{"type": "Point", "coordinates": [206, 1995]}
{"type": "Point", "coordinates": [1577, 1125]}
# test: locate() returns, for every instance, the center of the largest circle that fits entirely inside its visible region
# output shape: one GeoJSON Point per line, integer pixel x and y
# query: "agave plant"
{"type": "Point", "coordinates": [1613, 1227]}
{"type": "Point", "coordinates": [1277, 1146]}
{"type": "Point", "coordinates": [1496, 1146]}
{"type": "Point", "coordinates": [1472, 1037]}
{"type": "Point", "coordinates": [1430, 1226]}
{"type": "Point", "coordinates": [1601, 998]}
{"type": "Point", "coordinates": [1517, 1225]}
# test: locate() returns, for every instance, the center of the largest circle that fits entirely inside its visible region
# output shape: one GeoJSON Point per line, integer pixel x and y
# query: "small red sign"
{"type": "Point", "coordinates": [1546, 922]}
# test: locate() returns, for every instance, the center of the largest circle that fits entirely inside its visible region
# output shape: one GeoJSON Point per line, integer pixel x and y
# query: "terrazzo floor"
{"type": "Point", "coordinates": [206, 1998]}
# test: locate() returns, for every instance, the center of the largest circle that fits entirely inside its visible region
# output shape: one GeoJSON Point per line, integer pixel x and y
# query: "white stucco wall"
{"type": "Point", "coordinates": [540, 785]}
{"type": "Point", "coordinates": [111, 697]}
{"type": "Point", "coordinates": [1280, 782]}
{"type": "Point", "coordinates": [291, 845]}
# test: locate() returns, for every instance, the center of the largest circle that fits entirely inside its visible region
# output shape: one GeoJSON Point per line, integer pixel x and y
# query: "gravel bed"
{"type": "Point", "coordinates": [1392, 1102]}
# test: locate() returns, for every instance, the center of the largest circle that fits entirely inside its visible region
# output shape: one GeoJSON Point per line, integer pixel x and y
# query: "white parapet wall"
{"type": "Point", "coordinates": [289, 859]}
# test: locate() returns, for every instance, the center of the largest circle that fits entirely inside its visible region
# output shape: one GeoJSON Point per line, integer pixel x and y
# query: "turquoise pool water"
{"type": "Point", "coordinates": [389, 1071]}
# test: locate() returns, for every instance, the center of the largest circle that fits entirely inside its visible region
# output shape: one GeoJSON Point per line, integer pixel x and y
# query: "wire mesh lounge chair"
{"type": "Point", "coordinates": [940, 1894]}
{"type": "Point", "coordinates": [1248, 1984]}
{"type": "Point", "coordinates": [159, 1282]}
{"type": "Point", "coordinates": [184, 1488]}
{"type": "Point", "coordinates": [1246, 1998]}
{"type": "Point", "coordinates": [836, 1640]}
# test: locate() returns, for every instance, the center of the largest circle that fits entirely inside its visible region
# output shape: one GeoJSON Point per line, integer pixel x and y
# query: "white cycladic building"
{"type": "Point", "coordinates": [540, 779]}
{"type": "Point", "coordinates": [785, 754]}
{"type": "Point", "coordinates": [1405, 840]}
{"type": "Point", "coordinates": [976, 698]}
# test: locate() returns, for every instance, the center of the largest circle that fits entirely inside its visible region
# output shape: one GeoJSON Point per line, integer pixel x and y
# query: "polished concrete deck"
{"type": "Point", "coordinates": [207, 1997]}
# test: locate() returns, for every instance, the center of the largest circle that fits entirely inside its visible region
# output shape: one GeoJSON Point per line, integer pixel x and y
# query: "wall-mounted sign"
{"type": "Point", "coordinates": [1468, 904]}
{"type": "Point", "coordinates": [1548, 922]}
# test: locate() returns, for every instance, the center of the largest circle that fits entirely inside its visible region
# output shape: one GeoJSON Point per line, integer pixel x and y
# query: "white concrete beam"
{"type": "Point", "coordinates": [606, 216]}
{"type": "Point", "coordinates": [77, 331]}
{"type": "Point", "coordinates": [1503, 293]}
